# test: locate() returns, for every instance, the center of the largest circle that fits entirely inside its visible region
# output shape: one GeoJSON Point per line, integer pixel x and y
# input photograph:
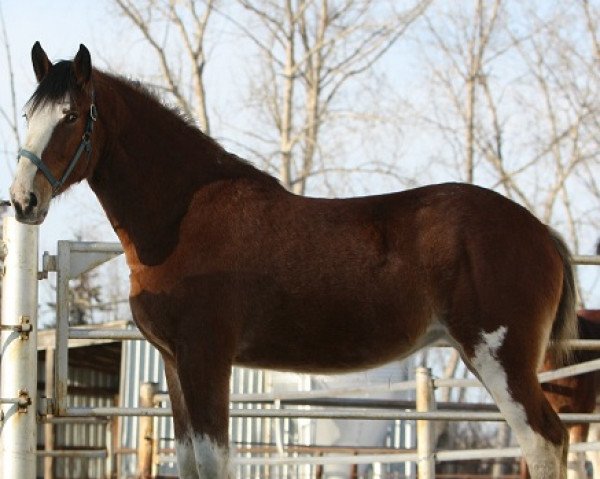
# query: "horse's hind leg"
{"type": "Point", "coordinates": [509, 374]}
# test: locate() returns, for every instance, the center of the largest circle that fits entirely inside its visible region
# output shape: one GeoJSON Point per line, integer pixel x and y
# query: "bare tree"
{"type": "Point", "coordinates": [10, 115]}
{"type": "Point", "coordinates": [309, 52]}
{"type": "Point", "coordinates": [563, 69]}
{"type": "Point", "coordinates": [155, 19]}
{"type": "Point", "coordinates": [459, 45]}
{"type": "Point", "coordinates": [514, 93]}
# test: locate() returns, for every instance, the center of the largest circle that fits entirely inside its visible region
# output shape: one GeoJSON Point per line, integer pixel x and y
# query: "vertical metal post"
{"type": "Point", "coordinates": [18, 340]}
{"type": "Point", "coordinates": [49, 427]}
{"type": "Point", "coordinates": [109, 464]}
{"type": "Point", "coordinates": [425, 432]}
{"type": "Point", "coordinates": [503, 441]}
{"type": "Point", "coordinates": [409, 443]}
{"type": "Point", "coordinates": [61, 364]}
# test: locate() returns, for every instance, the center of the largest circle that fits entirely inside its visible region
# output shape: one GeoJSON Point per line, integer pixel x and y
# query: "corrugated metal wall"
{"type": "Point", "coordinates": [80, 436]}
{"type": "Point", "coordinates": [140, 363]}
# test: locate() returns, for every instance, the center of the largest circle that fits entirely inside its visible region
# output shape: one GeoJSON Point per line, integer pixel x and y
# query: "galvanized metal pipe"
{"type": "Point", "coordinates": [400, 386]}
{"type": "Point", "coordinates": [80, 453]}
{"type": "Point", "coordinates": [323, 414]}
{"type": "Point", "coordinates": [115, 334]}
{"type": "Point", "coordinates": [588, 260]}
{"type": "Point", "coordinates": [95, 247]}
{"type": "Point", "coordinates": [18, 375]}
{"type": "Point", "coordinates": [392, 457]}
{"type": "Point", "coordinates": [61, 361]}
{"type": "Point", "coordinates": [584, 367]}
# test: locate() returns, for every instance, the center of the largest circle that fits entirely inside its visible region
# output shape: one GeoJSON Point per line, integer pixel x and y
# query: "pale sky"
{"type": "Point", "coordinates": [60, 26]}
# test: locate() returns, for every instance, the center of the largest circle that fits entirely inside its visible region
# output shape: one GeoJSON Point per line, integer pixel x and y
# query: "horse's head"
{"type": "Point", "coordinates": [60, 118]}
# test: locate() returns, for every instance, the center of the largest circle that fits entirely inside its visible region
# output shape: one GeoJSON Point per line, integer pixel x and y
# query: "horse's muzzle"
{"type": "Point", "coordinates": [27, 209]}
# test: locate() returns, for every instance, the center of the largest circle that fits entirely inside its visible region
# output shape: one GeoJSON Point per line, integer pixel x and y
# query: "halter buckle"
{"type": "Point", "coordinates": [93, 112]}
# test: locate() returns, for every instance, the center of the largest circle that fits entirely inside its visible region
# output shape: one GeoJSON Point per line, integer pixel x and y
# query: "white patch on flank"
{"type": "Point", "coordinates": [40, 127]}
{"type": "Point", "coordinates": [212, 459]}
{"type": "Point", "coordinates": [186, 461]}
{"type": "Point", "coordinates": [543, 457]}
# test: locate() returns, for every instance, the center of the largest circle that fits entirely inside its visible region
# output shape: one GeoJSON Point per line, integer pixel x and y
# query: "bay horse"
{"type": "Point", "coordinates": [578, 394]}
{"type": "Point", "coordinates": [228, 267]}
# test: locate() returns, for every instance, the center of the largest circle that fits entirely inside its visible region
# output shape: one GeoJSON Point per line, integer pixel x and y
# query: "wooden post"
{"type": "Point", "coordinates": [425, 429]}
{"type": "Point", "coordinates": [145, 431]}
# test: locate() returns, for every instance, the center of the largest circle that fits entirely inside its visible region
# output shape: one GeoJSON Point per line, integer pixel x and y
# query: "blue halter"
{"type": "Point", "coordinates": [84, 145]}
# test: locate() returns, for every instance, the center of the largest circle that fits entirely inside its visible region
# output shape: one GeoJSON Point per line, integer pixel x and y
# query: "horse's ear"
{"type": "Point", "coordinates": [82, 67]}
{"type": "Point", "coordinates": [41, 64]}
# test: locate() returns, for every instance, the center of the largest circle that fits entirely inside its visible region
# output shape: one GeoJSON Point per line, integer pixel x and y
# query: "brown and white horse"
{"type": "Point", "coordinates": [227, 267]}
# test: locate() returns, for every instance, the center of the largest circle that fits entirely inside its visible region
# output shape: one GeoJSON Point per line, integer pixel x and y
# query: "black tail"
{"type": "Point", "coordinates": [565, 323]}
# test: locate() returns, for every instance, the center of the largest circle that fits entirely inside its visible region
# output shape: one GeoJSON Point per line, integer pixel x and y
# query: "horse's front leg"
{"type": "Point", "coordinates": [184, 448]}
{"type": "Point", "coordinates": [203, 368]}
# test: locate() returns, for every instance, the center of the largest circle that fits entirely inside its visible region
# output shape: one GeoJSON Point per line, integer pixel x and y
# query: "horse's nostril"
{"type": "Point", "coordinates": [32, 200]}
{"type": "Point", "coordinates": [18, 208]}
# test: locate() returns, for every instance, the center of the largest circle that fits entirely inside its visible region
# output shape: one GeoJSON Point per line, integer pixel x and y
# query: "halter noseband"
{"type": "Point", "coordinates": [84, 145]}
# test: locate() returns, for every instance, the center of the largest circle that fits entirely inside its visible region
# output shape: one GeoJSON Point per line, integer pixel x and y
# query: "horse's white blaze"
{"type": "Point", "coordinates": [39, 131]}
{"type": "Point", "coordinates": [186, 461]}
{"type": "Point", "coordinates": [543, 457]}
{"type": "Point", "coordinates": [212, 459]}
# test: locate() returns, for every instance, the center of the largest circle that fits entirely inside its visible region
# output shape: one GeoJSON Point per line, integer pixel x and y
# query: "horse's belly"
{"type": "Point", "coordinates": [346, 349]}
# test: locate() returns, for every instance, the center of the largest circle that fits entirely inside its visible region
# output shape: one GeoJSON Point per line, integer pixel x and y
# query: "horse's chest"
{"type": "Point", "coordinates": [155, 316]}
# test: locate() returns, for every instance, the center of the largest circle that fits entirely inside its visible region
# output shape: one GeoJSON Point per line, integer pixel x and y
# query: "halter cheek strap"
{"type": "Point", "coordinates": [84, 145]}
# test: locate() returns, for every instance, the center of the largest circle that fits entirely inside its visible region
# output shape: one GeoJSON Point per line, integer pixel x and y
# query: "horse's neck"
{"type": "Point", "coordinates": [151, 166]}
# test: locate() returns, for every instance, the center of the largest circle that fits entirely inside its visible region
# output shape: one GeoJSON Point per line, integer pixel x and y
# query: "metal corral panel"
{"type": "Point", "coordinates": [141, 363]}
{"type": "Point", "coordinates": [86, 388]}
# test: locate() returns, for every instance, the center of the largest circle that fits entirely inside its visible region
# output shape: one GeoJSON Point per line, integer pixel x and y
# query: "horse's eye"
{"type": "Point", "coordinates": [70, 117]}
